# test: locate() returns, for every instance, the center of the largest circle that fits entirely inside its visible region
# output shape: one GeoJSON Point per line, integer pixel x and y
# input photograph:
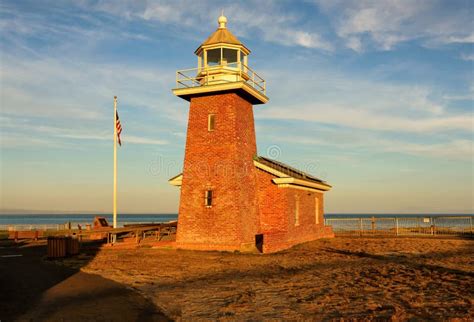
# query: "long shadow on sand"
{"type": "Point", "coordinates": [412, 259]}
{"type": "Point", "coordinates": [36, 289]}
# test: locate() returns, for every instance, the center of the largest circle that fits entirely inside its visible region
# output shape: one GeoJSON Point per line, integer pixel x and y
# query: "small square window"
{"type": "Point", "coordinates": [211, 122]}
{"type": "Point", "coordinates": [208, 198]}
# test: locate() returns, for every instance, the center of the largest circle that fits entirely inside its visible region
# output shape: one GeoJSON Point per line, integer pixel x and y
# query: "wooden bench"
{"type": "Point", "coordinates": [165, 231]}
{"type": "Point", "coordinates": [25, 234]}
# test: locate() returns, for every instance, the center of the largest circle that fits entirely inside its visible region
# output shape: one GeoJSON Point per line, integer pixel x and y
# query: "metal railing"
{"type": "Point", "coordinates": [55, 227]}
{"type": "Point", "coordinates": [402, 226]}
{"type": "Point", "coordinates": [234, 72]}
{"type": "Point", "coordinates": [22, 227]}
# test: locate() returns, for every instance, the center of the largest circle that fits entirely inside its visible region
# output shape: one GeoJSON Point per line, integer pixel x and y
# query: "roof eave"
{"type": "Point", "coordinates": [242, 88]}
{"type": "Point", "coordinates": [283, 179]}
{"type": "Point", "coordinates": [221, 44]}
{"type": "Point", "coordinates": [289, 181]}
{"type": "Point", "coordinates": [177, 180]}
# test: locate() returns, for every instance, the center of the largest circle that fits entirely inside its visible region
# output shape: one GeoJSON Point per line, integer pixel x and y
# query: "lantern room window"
{"type": "Point", "coordinates": [214, 57]}
{"type": "Point", "coordinates": [229, 56]}
{"type": "Point", "coordinates": [222, 56]}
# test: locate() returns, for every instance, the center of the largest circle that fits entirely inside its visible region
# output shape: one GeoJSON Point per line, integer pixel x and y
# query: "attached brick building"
{"type": "Point", "coordinates": [231, 198]}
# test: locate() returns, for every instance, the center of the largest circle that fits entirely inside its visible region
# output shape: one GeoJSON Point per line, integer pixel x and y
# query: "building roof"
{"type": "Point", "coordinates": [286, 176]}
{"type": "Point", "coordinates": [222, 35]}
{"type": "Point", "coordinates": [288, 170]}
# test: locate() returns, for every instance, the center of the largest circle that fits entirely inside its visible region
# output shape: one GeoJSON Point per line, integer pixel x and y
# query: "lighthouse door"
{"type": "Point", "coordinates": [259, 242]}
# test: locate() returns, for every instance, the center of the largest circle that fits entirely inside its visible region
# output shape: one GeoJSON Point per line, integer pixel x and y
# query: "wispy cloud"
{"type": "Point", "coordinates": [468, 39]}
{"type": "Point", "coordinates": [23, 132]}
{"type": "Point", "coordinates": [332, 138]}
{"type": "Point", "coordinates": [467, 57]}
{"type": "Point", "coordinates": [388, 22]}
{"type": "Point", "coordinates": [352, 116]}
{"type": "Point", "coordinates": [142, 140]}
{"type": "Point", "coordinates": [361, 114]}
{"type": "Point", "coordinates": [21, 140]}
{"type": "Point", "coordinates": [266, 18]}
{"type": "Point", "coordinates": [81, 89]}
{"type": "Point", "coordinates": [360, 102]}
{"type": "Point", "coordinates": [63, 62]}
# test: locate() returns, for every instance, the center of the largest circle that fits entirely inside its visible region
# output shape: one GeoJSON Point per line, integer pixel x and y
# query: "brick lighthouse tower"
{"type": "Point", "coordinates": [231, 198]}
{"type": "Point", "coordinates": [218, 204]}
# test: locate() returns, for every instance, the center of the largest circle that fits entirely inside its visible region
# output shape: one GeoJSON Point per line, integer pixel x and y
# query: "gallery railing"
{"type": "Point", "coordinates": [227, 73]}
{"type": "Point", "coordinates": [402, 226]}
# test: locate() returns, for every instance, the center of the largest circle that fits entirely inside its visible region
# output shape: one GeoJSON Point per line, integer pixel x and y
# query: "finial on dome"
{"type": "Point", "coordinates": [222, 20]}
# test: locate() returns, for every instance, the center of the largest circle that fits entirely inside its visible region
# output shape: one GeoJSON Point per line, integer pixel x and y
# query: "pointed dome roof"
{"type": "Point", "coordinates": [221, 35]}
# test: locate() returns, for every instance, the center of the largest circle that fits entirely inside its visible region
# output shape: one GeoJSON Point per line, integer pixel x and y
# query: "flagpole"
{"type": "Point", "coordinates": [115, 162]}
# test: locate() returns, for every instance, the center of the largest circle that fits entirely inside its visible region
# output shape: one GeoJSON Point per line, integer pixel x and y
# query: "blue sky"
{"type": "Point", "coordinates": [376, 97]}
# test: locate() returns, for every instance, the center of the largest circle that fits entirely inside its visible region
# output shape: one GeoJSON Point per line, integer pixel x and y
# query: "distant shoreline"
{"type": "Point", "coordinates": [363, 214]}
{"type": "Point", "coordinates": [81, 214]}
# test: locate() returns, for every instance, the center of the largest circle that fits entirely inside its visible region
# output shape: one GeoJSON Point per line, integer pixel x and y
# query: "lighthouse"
{"type": "Point", "coordinates": [231, 199]}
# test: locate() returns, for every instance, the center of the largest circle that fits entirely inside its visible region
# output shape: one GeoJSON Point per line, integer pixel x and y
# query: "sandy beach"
{"type": "Point", "coordinates": [349, 278]}
{"type": "Point", "coordinates": [36, 289]}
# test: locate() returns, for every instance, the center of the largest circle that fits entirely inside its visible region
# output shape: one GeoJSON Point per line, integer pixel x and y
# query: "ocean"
{"type": "Point", "coordinates": [56, 219]}
{"type": "Point", "coordinates": [60, 219]}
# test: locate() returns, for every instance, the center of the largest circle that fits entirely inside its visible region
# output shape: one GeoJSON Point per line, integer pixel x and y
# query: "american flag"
{"type": "Point", "coordinates": [119, 128]}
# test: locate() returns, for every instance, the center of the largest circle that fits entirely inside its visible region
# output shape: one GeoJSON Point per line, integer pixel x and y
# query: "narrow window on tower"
{"type": "Point", "coordinates": [316, 210]}
{"type": "Point", "coordinates": [297, 210]}
{"type": "Point", "coordinates": [208, 198]}
{"type": "Point", "coordinates": [211, 122]}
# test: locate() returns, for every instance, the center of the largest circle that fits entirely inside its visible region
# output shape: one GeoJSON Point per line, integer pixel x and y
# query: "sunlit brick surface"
{"type": "Point", "coordinates": [221, 161]}
{"type": "Point", "coordinates": [245, 200]}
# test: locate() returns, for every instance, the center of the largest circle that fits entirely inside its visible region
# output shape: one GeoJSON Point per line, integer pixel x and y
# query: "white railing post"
{"type": "Point", "coordinates": [396, 226]}
{"type": "Point", "coordinates": [433, 226]}
{"type": "Point", "coordinates": [470, 224]}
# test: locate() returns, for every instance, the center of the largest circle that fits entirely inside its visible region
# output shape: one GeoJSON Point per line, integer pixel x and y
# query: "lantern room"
{"type": "Point", "coordinates": [222, 48]}
{"type": "Point", "coordinates": [222, 65]}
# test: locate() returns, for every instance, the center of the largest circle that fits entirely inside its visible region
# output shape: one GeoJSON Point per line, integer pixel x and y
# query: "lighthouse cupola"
{"type": "Point", "coordinates": [222, 66]}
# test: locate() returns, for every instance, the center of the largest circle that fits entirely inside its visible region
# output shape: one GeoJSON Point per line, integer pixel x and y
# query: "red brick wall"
{"type": "Point", "coordinates": [222, 161]}
{"type": "Point", "coordinates": [307, 218]}
{"type": "Point", "coordinates": [273, 204]}
{"type": "Point", "coordinates": [277, 215]}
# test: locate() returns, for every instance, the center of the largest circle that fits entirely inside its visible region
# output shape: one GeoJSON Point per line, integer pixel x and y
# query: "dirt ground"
{"type": "Point", "coordinates": [35, 289]}
{"type": "Point", "coordinates": [348, 278]}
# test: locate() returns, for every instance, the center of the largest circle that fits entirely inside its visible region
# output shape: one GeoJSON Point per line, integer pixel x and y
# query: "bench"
{"type": "Point", "coordinates": [165, 231]}
{"type": "Point", "coordinates": [25, 234]}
